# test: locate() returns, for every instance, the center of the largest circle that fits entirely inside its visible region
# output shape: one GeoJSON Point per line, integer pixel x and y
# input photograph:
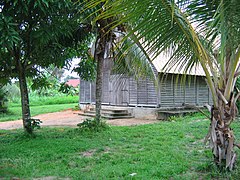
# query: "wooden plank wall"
{"type": "Point", "coordinates": [178, 93]}
{"type": "Point", "coordinates": [93, 92]}
{"type": "Point", "coordinates": [190, 90]}
{"type": "Point", "coordinates": [204, 95]}
{"type": "Point", "coordinates": [105, 88]}
{"type": "Point", "coordinates": [175, 93]}
{"type": "Point", "coordinates": [119, 90]}
{"type": "Point", "coordinates": [86, 91]}
{"type": "Point", "coordinates": [123, 90]}
{"type": "Point", "coordinates": [142, 92]}
{"type": "Point", "coordinates": [133, 96]}
{"type": "Point", "coordinates": [107, 65]}
{"type": "Point", "coordinates": [82, 90]}
{"type": "Point", "coordinates": [152, 93]}
{"type": "Point", "coordinates": [166, 91]}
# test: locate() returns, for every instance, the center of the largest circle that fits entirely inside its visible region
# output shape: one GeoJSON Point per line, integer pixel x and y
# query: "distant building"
{"type": "Point", "coordinates": [73, 82]}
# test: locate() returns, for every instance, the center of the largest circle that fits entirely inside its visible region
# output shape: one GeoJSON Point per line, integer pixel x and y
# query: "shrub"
{"type": "Point", "coordinates": [92, 125]}
{"type": "Point", "coordinates": [68, 90]}
{"type": "Point", "coordinates": [12, 92]}
{"type": "Point", "coordinates": [3, 100]}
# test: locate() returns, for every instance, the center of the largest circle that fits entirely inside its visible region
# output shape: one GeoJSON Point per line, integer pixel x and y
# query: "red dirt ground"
{"type": "Point", "coordinates": [71, 118]}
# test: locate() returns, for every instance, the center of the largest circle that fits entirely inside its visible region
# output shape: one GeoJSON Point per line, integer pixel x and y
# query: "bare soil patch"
{"type": "Point", "coordinates": [71, 118]}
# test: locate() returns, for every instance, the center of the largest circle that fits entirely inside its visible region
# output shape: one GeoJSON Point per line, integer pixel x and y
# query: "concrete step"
{"type": "Point", "coordinates": [106, 116]}
{"type": "Point", "coordinates": [109, 113]}
{"type": "Point", "coordinates": [117, 117]}
{"type": "Point", "coordinates": [165, 114]}
{"type": "Point", "coordinates": [89, 112]}
{"type": "Point", "coordinates": [111, 110]}
{"type": "Point", "coordinates": [115, 114]}
{"type": "Point", "coordinates": [86, 114]}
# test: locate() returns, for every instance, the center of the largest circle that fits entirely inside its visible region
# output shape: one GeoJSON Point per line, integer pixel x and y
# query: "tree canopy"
{"type": "Point", "coordinates": [35, 34]}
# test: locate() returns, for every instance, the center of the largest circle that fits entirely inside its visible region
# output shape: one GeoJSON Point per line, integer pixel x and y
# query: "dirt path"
{"type": "Point", "coordinates": [71, 118]}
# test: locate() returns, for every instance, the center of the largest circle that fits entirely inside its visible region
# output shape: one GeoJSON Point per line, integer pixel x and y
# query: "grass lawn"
{"type": "Point", "coordinates": [166, 150]}
{"type": "Point", "coordinates": [15, 113]}
{"type": "Point", "coordinates": [47, 100]}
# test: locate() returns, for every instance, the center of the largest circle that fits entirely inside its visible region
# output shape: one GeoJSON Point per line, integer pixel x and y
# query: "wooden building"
{"type": "Point", "coordinates": [171, 92]}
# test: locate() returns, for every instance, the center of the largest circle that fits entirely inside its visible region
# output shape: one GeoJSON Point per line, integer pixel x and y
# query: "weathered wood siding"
{"type": "Point", "coordinates": [166, 91]}
{"type": "Point", "coordinates": [204, 94]}
{"type": "Point", "coordinates": [174, 93]}
{"type": "Point", "coordinates": [87, 92]}
{"type": "Point", "coordinates": [105, 88]}
{"type": "Point", "coordinates": [190, 91]}
{"type": "Point", "coordinates": [125, 91]}
{"type": "Point", "coordinates": [142, 92]}
{"type": "Point", "coordinates": [178, 93]}
{"type": "Point", "coordinates": [133, 97]}
{"type": "Point", "coordinates": [152, 93]}
{"type": "Point", "coordinates": [119, 90]}
{"type": "Point", "coordinates": [107, 65]}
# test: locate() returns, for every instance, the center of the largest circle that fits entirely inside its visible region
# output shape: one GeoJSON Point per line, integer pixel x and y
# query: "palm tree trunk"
{"type": "Point", "coordinates": [100, 59]}
{"type": "Point", "coordinates": [26, 116]}
{"type": "Point", "coordinates": [99, 55]}
{"type": "Point", "coordinates": [221, 135]}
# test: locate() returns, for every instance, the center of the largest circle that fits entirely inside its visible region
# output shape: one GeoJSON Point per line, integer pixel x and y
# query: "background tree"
{"type": "Point", "coordinates": [3, 99]}
{"type": "Point", "coordinates": [55, 72]}
{"type": "Point", "coordinates": [196, 32]}
{"type": "Point", "coordinates": [45, 84]}
{"type": "Point", "coordinates": [86, 68]}
{"type": "Point", "coordinates": [35, 34]}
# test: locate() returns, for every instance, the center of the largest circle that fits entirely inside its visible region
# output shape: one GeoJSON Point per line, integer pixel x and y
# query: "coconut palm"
{"type": "Point", "coordinates": [108, 32]}
{"type": "Point", "coordinates": [193, 32]}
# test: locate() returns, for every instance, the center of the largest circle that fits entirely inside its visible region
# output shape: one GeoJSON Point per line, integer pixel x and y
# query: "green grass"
{"type": "Point", "coordinates": [15, 113]}
{"type": "Point", "coordinates": [166, 150]}
{"type": "Point", "coordinates": [47, 100]}
{"type": "Point", "coordinates": [40, 105]}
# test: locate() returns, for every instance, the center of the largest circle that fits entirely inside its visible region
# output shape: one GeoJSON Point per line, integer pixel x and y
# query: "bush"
{"type": "Point", "coordinates": [92, 125]}
{"type": "Point", "coordinates": [13, 92]}
{"type": "Point", "coordinates": [3, 100]}
{"type": "Point", "coordinates": [68, 90]}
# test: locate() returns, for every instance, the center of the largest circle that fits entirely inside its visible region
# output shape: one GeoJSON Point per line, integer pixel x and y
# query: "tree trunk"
{"type": "Point", "coordinates": [221, 135]}
{"type": "Point", "coordinates": [100, 60]}
{"type": "Point", "coordinates": [99, 55]}
{"type": "Point", "coordinates": [26, 116]}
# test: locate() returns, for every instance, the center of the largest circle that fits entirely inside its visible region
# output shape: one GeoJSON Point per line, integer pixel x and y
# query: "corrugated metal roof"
{"type": "Point", "coordinates": [161, 61]}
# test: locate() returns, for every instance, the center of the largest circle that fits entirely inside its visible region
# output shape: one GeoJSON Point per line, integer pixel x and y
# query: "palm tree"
{"type": "Point", "coordinates": [107, 45]}
{"type": "Point", "coordinates": [193, 32]}
{"type": "Point", "coordinates": [104, 37]}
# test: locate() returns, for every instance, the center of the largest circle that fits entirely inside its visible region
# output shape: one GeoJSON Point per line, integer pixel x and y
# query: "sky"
{"type": "Point", "coordinates": [69, 72]}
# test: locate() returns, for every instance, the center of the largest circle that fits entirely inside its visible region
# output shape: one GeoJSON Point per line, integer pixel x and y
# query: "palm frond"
{"type": "Point", "coordinates": [191, 32]}
{"type": "Point", "coordinates": [130, 59]}
{"type": "Point", "coordinates": [163, 28]}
